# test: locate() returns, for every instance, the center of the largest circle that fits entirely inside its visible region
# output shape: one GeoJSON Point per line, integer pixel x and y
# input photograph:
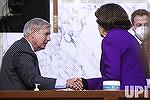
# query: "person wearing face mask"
{"type": "Point", "coordinates": [139, 29]}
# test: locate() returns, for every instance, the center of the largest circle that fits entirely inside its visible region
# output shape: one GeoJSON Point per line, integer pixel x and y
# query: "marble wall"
{"type": "Point", "coordinates": [75, 50]}
{"type": "Point", "coordinates": [1, 47]}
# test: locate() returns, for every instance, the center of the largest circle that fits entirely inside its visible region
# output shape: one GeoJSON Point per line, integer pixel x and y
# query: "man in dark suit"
{"type": "Point", "coordinates": [20, 69]}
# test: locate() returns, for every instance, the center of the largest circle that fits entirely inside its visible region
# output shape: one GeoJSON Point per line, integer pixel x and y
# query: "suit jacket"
{"type": "Point", "coordinates": [121, 60]}
{"type": "Point", "coordinates": [20, 69]}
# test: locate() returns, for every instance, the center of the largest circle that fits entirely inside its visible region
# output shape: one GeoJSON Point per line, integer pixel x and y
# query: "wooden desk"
{"type": "Point", "coordinates": [59, 95]}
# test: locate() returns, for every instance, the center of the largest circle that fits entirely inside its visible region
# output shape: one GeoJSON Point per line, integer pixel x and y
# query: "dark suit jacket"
{"type": "Point", "coordinates": [20, 69]}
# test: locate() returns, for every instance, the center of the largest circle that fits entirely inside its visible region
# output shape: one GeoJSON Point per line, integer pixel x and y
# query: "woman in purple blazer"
{"type": "Point", "coordinates": [121, 57]}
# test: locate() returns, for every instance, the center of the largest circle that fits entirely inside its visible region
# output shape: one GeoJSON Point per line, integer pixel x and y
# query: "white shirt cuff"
{"type": "Point", "coordinates": [60, 84]}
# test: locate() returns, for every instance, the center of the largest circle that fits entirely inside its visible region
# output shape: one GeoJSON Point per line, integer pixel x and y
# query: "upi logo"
{"type": "Point", "coordinates": [135, 91]}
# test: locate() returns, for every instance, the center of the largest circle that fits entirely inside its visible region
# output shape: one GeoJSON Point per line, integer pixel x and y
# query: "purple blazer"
{"type": "Point", "coordinates": [121, 60]}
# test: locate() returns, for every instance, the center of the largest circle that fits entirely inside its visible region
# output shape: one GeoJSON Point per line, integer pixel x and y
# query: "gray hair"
{"type": "Point", "coordinates": [37, 23]}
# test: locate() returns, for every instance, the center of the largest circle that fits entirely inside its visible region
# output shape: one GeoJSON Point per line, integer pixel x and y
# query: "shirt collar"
{"type": "Point", "coordinates": [30, 44]}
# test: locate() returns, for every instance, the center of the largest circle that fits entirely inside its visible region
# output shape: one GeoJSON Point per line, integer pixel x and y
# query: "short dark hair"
{"type": "Point", "coordinates": [140, 12]}
{"type": "Point", "coordinates": [110, 16]}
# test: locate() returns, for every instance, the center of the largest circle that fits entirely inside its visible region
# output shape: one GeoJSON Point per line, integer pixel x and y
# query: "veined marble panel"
{"type": "Point", "coordinates": [75, 50]}
{"type": "Point", "coordinates": [1, 47]}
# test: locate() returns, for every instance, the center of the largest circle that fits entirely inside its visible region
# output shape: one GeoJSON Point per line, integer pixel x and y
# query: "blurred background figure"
{"type": "Point", "coordinates": [139, 19]}
{"type": "Point", "coordinates": [139, 29]}
{"type": "Point", "coordinates": [147, 51]}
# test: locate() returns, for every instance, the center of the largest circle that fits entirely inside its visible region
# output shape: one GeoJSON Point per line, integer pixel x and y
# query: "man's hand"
{"type": "Point", "coordinates": [75, 84]}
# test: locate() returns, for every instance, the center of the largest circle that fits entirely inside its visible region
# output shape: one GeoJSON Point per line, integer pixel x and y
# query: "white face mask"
{"type": "Point", "coordinates": [141, 33]}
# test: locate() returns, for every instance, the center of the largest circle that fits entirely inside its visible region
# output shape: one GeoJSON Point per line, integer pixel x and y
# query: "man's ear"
{"type": "Point", "coordinates": [133, 27]}
{"type": "Point", "coordinates": [32, 35]}
{"type": "Point", "coordinates": [33, 31]}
